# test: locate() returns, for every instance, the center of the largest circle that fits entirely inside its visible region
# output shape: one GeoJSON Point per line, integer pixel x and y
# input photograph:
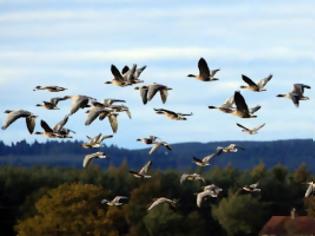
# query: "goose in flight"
{"type": "Point", "coordinates": [205, 161]}
{"type": "Point", "coordinates": [119, 79]}
{"type": "Point", "coordinates": [162, 200]}
{"type": "Point", "coordinates": [242, 110]}
{"type": "Point", "coordinates": [171, 114]}
{"type": "Point", "coordinates": [59, 128]}
{"type": "Point", "coordinates": [226, 107]}
{"type": "Point", "coordinates": [250, 131]}
{"type": "Point", "coordinates": [257, 87]}
{"type": "Point", "coordinates": [143, 93]}
{"type": "Point", "coordinates": [231, 148]}
{"type": "Point", "coordinates": [133, 74]}
{"type": "Point", "coordinates": [89, 157]}
{"type": "Point", "coordinates": [209, 191]}
{"type": "Point", "coordinates": [214, 190]}
{"type": "Point", "coordinates": [251, 188]}
{"type": "Point", "coordinates": [52, 103]}
{"type": "Point", "coordinates": [121, 108]}
{"type": "Point", "coordinates": [47, 132]}
{"type": "Point", "coordinates": [58, 131]}
{"type": "Point", "coordinates": [296, 94]}
{"type": "Point", "coordinates": [143, 172]}
{"type": "Point", "coordinates": [191, 177]}
{"type": "Point", "coordinates": [95, 142]}
{"type": "Point", "coordinates": [117, 201]}
{"type": "Point", "coordinates": [157, 144]}
{"type": "Point", "coordinates": [311, 189]}
{"type": "Point", "coordinates": [147, 92]}
{"type": "Point", "coordinates": [12, 116]}
{"type": "Point", "coordinates": [110, 101]}
{"type": "Point", "coordinates": [79, 101]}
{"type": "Point", "coordinates": [50, 88]}
{"type": "Point", "coordinates": [149, 140]}
{"type": "Point", "coordinates": [109, 104]}
{"type": "Point", "coordinates": [102, 113]}
{"type": "Point", "coordinates": [205, 74]}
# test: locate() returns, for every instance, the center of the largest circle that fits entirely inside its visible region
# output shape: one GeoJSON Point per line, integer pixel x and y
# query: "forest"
{"type": "Point", "coordinates": [291, 153]}
{"type": "Point", "coordinates": [66, 201]}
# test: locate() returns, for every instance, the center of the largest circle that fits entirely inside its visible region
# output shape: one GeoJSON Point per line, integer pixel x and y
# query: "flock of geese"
{"type": "Point", "coordinates": [110, 108]}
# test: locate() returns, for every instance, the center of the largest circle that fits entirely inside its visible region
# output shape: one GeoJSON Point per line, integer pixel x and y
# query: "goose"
{"type": "Point", "coordinates": [204, 72]}
{"type": "Point", "coordinates": [205, 161]}
{"type": "Point", "coordinates": [94, 112]}
{"type": "Point", "coordinates": [226, 107]}
{"type": "Point", "coordinates": [79, 101]}
{"type": "Point", "coordinates": [157, 144]}
{"type": "Point", "coordinates": [52, 103]}
{"type": "Point", "coordinates": [96, 141]}
{"type": "Point", "coordinates": [311, 189]}
{"type": "Point", "coordinates": [111, 101]}
{"type": "Point", "coordinates": [191, 177]}
{"type": "Point", "coordinates": [12, 116]}
{"type": "Point", "coordinates": [161, 200]}
{"type": "Point", "coordinates": [102, 113]}
{"type": "Point", "coordinates": [149, 140]}
{"type": "Point", "coordinates": [231, 148]}
{"type": "Point", "coordinates": [251, 188]}
{"type": "Point", "coordinates": [250, 131]}
{"type": "Point", "coordinates": [121, 108]}
{"type": "Point", "coordinates": [214, 190]}
{"type": "Point", "coordinates": [117, 201]}
{"type": "Point", "coordinates": [171, 114]}
{"type": "Point", "coordinates": [296, 94]}
{"type": "Point", "coordinates": [48, 131]}
{"type": "Point", "coordinates": [259, 87]}
{"type": "Point", "coordinates": [162, 89]}
{"type": "Point", "coordinates": [242, 110]}
{"type": "Point", "coordinates": [59, 128]}
{"type": "Point", "coordinates": [143, 93]}
{"type": "Point", "coordinates": [50, 88]}
{"type": "Point", "coordinates": [209, 191]}
{"type": "Point", "coordinates": [201, 196]}
{"type": "Point", "coordinates": [143, 172]}
{"type": "Point", "coordinates": [89, 157]}
{"type": "Point", "coordinates": [133, 74]}
{"type": "Point", "coordinates": [119, 79]}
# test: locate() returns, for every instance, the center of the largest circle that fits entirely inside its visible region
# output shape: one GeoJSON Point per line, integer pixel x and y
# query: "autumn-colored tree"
{"type": "Point", "coordinates": [70, 209]}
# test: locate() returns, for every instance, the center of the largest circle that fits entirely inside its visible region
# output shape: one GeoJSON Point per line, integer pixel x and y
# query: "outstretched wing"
{"type": "Point", "coordinates": [203, 68]}
{"type": "Point", "coordinates": [240, 102]}
{"type": "Point", "coordinates": [155, 146]}
{"type": "Point", "coordinates": [262, 83]}
{"type": "Point", "coordinates": [145, 169]}
{"type": "Point", "coordinates": [248, 81]}
{"type": "Point", "coordinates": [45, 126]}
{"type": "Point", "coordinates": [242, 126]}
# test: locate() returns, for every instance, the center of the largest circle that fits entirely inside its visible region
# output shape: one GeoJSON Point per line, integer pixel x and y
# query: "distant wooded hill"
{"type": "Point", "coordinates": [291, 153]}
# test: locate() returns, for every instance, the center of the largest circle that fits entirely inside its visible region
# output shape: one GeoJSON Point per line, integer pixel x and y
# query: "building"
{"type": "Point", "coordinates": [289, 225]}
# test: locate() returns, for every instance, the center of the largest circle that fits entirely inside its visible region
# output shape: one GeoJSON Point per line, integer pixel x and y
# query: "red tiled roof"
{"type": "Point", "coordinates": [279, 225]}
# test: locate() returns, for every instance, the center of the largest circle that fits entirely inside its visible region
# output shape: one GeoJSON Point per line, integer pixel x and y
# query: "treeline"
{"type": "Point", "coordinates": [60, 201]}
{"type": "Point", "coordinates": [290, 153]}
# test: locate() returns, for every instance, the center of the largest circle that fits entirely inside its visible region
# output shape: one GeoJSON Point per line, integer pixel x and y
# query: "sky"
{"type": "Point", "coordinates": [73, 43]}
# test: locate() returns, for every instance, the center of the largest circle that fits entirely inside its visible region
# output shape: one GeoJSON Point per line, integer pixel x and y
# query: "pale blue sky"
{"type": "Point", "coordinates": [73, 43]}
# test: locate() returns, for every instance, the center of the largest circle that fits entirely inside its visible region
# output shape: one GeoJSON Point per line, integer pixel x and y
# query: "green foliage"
{"type": "Point", "coordinates": [239, 214]}
{"type": "Point", "coordinates": [67, 201]}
